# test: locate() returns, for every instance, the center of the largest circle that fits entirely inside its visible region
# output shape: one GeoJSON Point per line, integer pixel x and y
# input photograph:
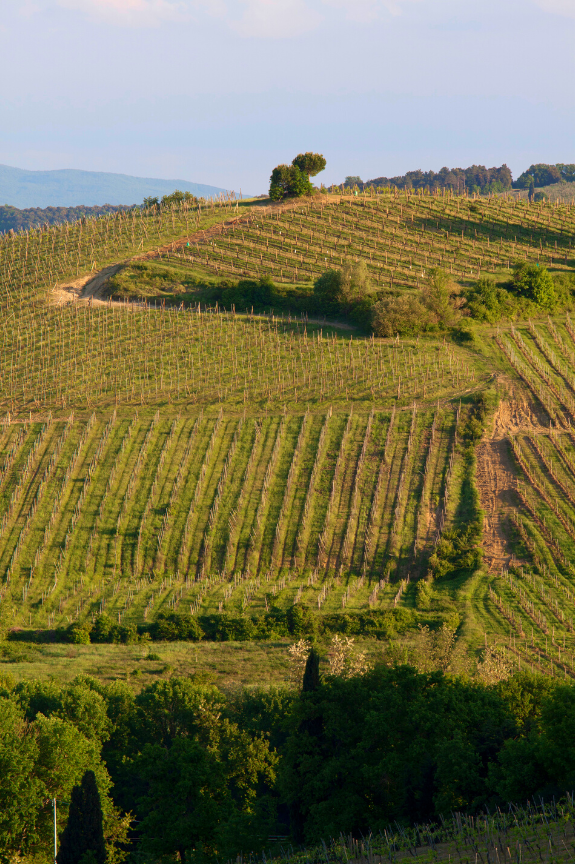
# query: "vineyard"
{"type": "Point", "coordinates": [185, 458]}
{"type": "Point", "coordinates": [334, 510]}
{"type": "Point", "coordinates": [535, 832]}
{"type": "Point", "coordinates": [400, 237]}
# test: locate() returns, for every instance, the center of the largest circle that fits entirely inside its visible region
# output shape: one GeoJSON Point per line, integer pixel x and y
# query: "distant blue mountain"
{"type": "Point", "coordinates": [71, 188]}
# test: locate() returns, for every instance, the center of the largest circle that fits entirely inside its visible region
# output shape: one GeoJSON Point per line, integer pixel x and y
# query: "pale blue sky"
{"type": "Point", "coordinates": [220, 91]}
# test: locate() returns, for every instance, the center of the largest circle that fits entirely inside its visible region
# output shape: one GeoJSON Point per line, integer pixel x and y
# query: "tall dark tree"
{"type": "Point", "coordinates": [309, 164]}
{"type": "Point", "coordinates": [83, 836]}
{"type": "Point", "coordinates": [311, 673]}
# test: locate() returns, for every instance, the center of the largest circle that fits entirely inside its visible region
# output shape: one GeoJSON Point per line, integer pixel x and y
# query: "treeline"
{"type": "Point", "coordinates": [189, 773]}
{"type": "Point", "coordinates": [545, 175]}
{"type": "Point", "coordinates": [13, 219]}
{"type": "Point", "coordinates": [476, 179]}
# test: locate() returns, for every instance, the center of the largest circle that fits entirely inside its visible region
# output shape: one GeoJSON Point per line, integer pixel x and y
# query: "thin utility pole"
{"type": "Point", "coordinates": [55, 834]}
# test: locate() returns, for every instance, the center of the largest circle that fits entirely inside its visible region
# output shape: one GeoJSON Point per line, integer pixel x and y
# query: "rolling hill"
{"type": "Point", "coordinates": [161, 454]}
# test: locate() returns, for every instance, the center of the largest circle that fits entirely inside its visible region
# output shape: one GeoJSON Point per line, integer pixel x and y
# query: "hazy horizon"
{"type": "Point", "coordinates": [220, 92]}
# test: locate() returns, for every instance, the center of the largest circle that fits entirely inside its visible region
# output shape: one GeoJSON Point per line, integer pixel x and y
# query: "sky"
{"type": "Point", "coordinates": [221, 91]}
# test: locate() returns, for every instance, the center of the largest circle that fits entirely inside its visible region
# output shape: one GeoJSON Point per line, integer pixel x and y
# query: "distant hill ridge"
{"type": "Point", "coordinates": [13, 219]}
{"type": "Point", "coordinates": [72, 188]}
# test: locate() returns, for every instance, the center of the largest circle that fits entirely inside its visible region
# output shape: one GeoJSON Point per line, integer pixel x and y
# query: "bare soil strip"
{"type": "Point", "coordinates": [495, 475]}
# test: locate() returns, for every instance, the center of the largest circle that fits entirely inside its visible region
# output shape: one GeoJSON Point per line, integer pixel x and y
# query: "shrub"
{"type": "Point", "coordinates": [78, 634]}
{"type": "Point", "coordinates": [437, 294]}
{"type": "Point", "coordinates": [104, 630]}
{"type": "Point", "coordinates": [348, 291]}
{"type": "Point", "coordinates": [288, 180]}
{"type": "Point", "coordinates": [402, 315]}
{"type": "Point", "coordinates": [175, 627]}
{"type": "Point", "coordinates": [249, 292]}
{"type": "Point", "coordinates": [535, 283]}
{"type": "Point", "coordinates": [485, 301]}
{"type": "Point", "coordinates": [423, 594]}
{"type": "Point", "coordinates": [327, 288]}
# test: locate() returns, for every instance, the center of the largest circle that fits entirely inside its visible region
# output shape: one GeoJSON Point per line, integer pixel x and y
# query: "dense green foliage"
{"type": "Point", "coordinates": [289, 181]}
{"type": "Point", "coordinates": [535, 283]}
{"type": "Point", "coordinates": [176, 198]}
{"type": "Point", "coordinates": [431, 310]}
{"type": "Point", "coordinates": [297, 621]}
{"type": "Point", "coordinates": [545, 175]}
{"type": "Point", "coordinates": [477, 178]}
{"type": "Point", "coordinates": [310, 164]}
{"type": "Point", "coordinates": [207, 775]}
{"type": "Point", "coordinates": [347, 291]}
{"type": "Point", "coordinates": [531, 290]}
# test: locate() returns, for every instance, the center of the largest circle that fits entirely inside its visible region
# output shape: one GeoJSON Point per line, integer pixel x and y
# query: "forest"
{"type": "Point", "coordinates": [187, 770]}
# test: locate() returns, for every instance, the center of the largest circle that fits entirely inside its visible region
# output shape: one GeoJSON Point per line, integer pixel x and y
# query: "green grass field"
{"type": "Point", "coordinates": [181, 457]}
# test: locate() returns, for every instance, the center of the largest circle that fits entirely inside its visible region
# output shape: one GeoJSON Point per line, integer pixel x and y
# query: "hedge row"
{"type": "Point", "coordinates": [297, 622]}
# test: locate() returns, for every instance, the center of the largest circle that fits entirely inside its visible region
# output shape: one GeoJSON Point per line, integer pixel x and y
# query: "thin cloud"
{"type": "Point", "coordinates": [131, 13]}
{"type": "Point", "coordinates": [272, 19]}
{"type": "Point", "coordinates": [258, 19]}
{"type": "Point", "coordinates": [250, 18]}
{"type": "Point", "coordinates": [368, 10]}
{"type": "Point", "coordinates": [559, 7]}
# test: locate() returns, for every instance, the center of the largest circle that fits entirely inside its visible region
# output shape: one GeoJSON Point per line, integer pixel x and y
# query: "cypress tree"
{"type": "Point", "coordinates": [311, 673]}
{"type": "Point", "coordinates": [83, 836]}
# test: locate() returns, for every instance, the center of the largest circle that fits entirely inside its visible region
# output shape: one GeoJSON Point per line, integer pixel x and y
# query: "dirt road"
{"type": "Point", "coordinates": [85, 289]}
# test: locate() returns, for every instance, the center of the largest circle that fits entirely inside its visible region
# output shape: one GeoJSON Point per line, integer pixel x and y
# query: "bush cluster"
{"type": "Point", "coordinates": [297, 621]}
{"type": "Point", "coordinates": [177, 197]}
{"type": "Point", "coordinates": [531, 290]}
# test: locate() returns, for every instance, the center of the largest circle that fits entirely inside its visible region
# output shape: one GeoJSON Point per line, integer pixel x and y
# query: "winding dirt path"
{"type": "Point", "coordinates": [87, 288]}
{"type": "Point", "coordinates": [90, 288]}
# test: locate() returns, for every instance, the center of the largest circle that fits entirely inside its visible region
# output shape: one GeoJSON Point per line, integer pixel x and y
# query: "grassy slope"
{"type": "Point", "coordinates": [85, 523]}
